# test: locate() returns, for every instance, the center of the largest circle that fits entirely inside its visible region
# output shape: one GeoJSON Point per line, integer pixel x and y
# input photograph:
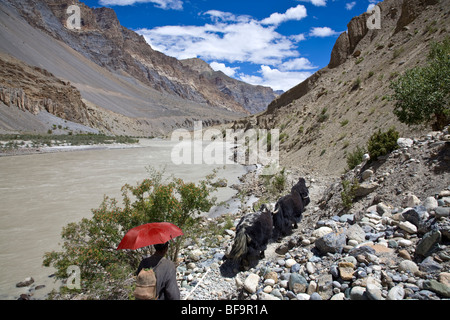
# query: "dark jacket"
{"type": "Point", "coordinates": [166, 281]}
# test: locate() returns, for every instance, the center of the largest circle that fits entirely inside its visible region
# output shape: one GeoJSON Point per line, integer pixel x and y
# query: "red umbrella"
{"type": "Point", "coordinates": [148, 234]}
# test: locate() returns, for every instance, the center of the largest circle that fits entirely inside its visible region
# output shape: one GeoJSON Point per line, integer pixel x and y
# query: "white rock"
{"type": "Point", "coordinates": [306, 242]}
{"type": "Point", "coordinates": [266, 296]}
{"type": "Point", "coordinates": [195, 254]}
{"type": "Point", "coordinates": [373, 292]}
{"type": "Point", "coordinates": [408, 266]}
{"type": "Point", "coordinates": [338, 296]}
{"type": "Point", "coordinates": [396, 293]}
{"type": "Point", "coordinates": [289, 263]}
{"type": "Point", "coordinates": [408, 227]}
{"type": "Point", "coordinates": [405, 142]}
{"type": "Point", "coordinates": [430, 203]}
{"type": "Point", "coordinates": [310, 267]}
{"type": "Point", "coordinates": [239, 283]}
{"type": "Point", "coordinates": [269, 282]}
{"type": "Point", "coordinates": [251, 283]}
{"type": "Point", "coordinates": [303, 296]}
{"type": "Point", "coordinates": [319, 233]}
{"type": "Point", "coordinates": [267, 289]}
{"type": "Point", "coordinates": [404, 243]}
{"type": "Point", "coordinates": [411, 201]}
{"type": "Point", "coordinates": [284, 284]}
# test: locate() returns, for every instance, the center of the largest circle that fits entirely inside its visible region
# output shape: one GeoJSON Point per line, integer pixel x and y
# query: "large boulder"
{"type": "Point", "coordinates": [332, 242]}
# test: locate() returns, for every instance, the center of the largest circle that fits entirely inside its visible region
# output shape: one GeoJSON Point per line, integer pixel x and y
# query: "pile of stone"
{"type": "Point", "coordinates": [391, 253]}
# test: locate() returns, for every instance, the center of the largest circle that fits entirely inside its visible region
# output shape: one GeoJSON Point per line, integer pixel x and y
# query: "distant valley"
{"type": "Point", "coordinates": [123, 86]}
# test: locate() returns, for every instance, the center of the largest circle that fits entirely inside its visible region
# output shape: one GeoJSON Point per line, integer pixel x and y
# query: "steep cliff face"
{"type": "Point", "coordinates": [34, 89]}
{"type": "Point", "coordinates": [342, 105]}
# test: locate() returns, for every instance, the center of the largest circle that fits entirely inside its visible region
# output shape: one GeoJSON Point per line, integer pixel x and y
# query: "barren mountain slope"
{"type": "Point", "coordinates": [342, 105]}
{"type": "Point", "coordinates": [137, 90]}
{"type": "Point", "coordinates": [253, 98]}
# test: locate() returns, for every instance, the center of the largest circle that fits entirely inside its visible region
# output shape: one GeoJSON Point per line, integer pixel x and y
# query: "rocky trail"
{"type": "Point", "coordinates": [392, 244]}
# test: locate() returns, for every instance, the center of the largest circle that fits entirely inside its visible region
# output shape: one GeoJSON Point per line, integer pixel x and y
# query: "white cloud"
{"type": "Point", "coordinates": [276, 79]}
{"type": "Point", "coordinates": [163, 4]}
{"type": "Point", "coordinates": [322, 32]}
{"type": "Point", "coordinates": [230, 38]}
{"type": "Point", "coordinates": [242, 41]}
{"type": "Point", "coordinates": [297, 64]}
{"type": "Point", "coordinates": [317, 3]}
{"type": "Point", "coordinates": [217, 66]}
{"type": "Point", "coordinates": [217, 16]}
{"type": "Point", "coordinates": [298, 37]}
{"type": "Point", "coordinates": [296, 13]}
{"type": "Point", "coordinates": [350, 5]}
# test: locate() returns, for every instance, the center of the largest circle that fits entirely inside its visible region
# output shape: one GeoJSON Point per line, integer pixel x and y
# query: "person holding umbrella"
{"type": "Point", "coordinates": [157, 234]}
{"type": "Point", "coordinates": [165, 270]}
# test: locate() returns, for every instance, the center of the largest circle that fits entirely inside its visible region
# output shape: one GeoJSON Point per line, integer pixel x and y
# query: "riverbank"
{"type": "Point", "coordinates": [42, 193]}
{"type": "Point", "coordinates": [26, 144]}
{"type": "Point", "coordinates": [392, 243]}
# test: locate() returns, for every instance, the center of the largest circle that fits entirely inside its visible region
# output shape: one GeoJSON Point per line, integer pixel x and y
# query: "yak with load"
{"type": "Point", "coordinates": [253, 233]}
{"type": "Point", "coordinates": [255, 230]}
{"type": "Point", "coordinates": [289, 208]}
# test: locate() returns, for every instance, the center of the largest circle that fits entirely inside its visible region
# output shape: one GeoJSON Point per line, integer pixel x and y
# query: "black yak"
{"type": "Point", "coordinates": [253, 232]}
{"type": "Point", "coordinates": [288, 209]}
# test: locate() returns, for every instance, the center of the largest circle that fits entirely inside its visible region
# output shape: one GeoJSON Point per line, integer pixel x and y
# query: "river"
{"type": "Point", "coordinates": [41, 193]}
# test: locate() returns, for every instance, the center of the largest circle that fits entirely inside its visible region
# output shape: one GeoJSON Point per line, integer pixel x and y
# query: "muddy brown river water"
{"type": "Point", "coordinates": [41, 193]}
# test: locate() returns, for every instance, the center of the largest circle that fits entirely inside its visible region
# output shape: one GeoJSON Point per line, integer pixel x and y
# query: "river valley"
{"type": "Point", "coordinates": [41, 193]}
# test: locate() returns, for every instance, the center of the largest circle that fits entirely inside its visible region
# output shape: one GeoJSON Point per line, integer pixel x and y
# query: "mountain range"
{"type": "Point", "coordinates": [124, 86]}
{"type": "Point", "coordinates": [107, 78]}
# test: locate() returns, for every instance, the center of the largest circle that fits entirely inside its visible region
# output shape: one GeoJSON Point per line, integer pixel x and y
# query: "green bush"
{"type": "Point", "coordinates": [354, 158]}
{"type": "Point", "coordinates": [91, 243]}
{"type": "Point", "coordinates": [382, 143]}
{"type": "Point", "coordinates": [422, 93]}
{"type": "Point", "coordinates": [348, 192]}
{"type": "Point", "coordinates": [275, 184]}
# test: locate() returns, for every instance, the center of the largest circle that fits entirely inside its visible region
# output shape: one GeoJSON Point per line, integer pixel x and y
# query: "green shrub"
{"type": "Point", "coordinates": [344, 122]}
{"type": "Point", "coordinates": [323, 116]}
{"type": "Point", "coordinates": [354, 158]}
{"type": "Point", "coordinates": [91, 243]}
{"type": "Point", "coordinates": [422, 93]}
{"type": "Point", "coordinates": [276, 183]}
{"type": "Point", "coordinates": [382, 143]}
{"type": "Point", "coordinates": [356, 84]}
{"type": "Point", "coordinates": [348, 192]}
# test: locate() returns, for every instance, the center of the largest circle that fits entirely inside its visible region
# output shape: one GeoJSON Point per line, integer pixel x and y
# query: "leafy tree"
{"type": "Point", "coordinates": [91, 243]}
{"type": "Point", "coordinates": [422, 93]}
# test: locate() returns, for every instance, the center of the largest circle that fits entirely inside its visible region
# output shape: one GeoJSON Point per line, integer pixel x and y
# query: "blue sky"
{"type": "Point", "coordinates": [276, 43]}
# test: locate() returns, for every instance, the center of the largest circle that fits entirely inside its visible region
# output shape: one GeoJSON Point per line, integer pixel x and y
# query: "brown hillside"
{"type": "Point", "coordinates": [342, 105]}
